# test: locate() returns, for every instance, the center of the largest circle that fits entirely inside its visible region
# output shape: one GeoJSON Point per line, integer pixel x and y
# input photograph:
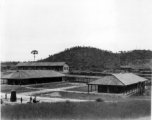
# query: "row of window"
{"type": "Point", "coordinates": [58, 69]}
{"type": "Point", "coordinates": [66, 68]}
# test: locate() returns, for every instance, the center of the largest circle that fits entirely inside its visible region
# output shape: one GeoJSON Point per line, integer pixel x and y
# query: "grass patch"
{"type": "Point", "coordinates": [51, 85]}
{"type": "Point", "coordinates": [81, 96]}
{"type": "Point", "coordinates": [19, 89]}
{"type": "Point", "coordinates": [82, 89]}
{"type": "Point", "coordinates": [71, 110]}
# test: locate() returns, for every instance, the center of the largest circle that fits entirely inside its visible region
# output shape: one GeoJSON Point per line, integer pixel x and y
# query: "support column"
{"type": "Point", "coordinates": [91, 88]}
{"type": "Point", "coordinates": [88, 88]}
{"type": "Point", "coordinates": [63, 79]}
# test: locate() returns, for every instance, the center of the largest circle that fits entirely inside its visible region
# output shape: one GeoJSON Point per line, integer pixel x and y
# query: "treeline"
{"type": "Point", "coordinates": [94, 59]}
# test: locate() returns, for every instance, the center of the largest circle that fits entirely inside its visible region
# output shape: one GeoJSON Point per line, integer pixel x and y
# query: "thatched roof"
{"type": "Point", "coordinates": [41, 64]}
{"type": "Point", "coordinates": [28, 74]}
{"type": "Point", "coordinates": [119, 79]}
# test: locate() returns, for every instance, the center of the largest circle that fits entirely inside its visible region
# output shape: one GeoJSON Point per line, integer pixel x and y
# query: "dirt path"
{"type": "Point", "coordinates": [42, 99]}
{"type": "Point", "coordinates": [48, 90]}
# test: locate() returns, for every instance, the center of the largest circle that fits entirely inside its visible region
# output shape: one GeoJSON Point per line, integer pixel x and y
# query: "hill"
{"type": "Point", "coordinates": [94, 59]}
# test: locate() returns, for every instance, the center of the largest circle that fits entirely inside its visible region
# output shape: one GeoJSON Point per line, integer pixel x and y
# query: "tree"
{"type": "Point", "coordinates": [34, 52]}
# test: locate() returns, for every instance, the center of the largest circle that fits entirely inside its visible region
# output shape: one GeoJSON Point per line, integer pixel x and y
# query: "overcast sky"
{"type": "Point", "coordinates": [50, 26]}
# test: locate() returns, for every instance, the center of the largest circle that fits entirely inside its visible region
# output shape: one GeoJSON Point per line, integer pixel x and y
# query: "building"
{"type": "Point", "coordinates": [125, 68]}
{"type": "Point", "coordinates": [23, 77]}
{"type": "Point", "coordinates": [57, 66]}
{"type": "Point", "coordinates": [125, 83]}
{"type": "Point", "coordinates": [8, 66]}
{"type": "Point", "coordinates": [146, 73]}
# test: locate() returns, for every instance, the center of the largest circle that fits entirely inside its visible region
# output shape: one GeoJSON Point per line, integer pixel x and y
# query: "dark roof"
{"type": "Point", "coordinates": [41, 64]}
{"type": "Point", "coordinates": [119, 79]}
{"type": "Point", "coordinates": [108, 80]}
{"type": "Point", "coordinates": [27, 74]}
{"type": "Point", "coordinates": [83, 76]}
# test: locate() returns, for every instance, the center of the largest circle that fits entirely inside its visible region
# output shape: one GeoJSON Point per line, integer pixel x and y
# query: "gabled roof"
{"type": "Point", "coordinates": [119, 79]}
{"type": "Point", "coordinates": [28, 74]}
{"type": "Point", "coordinates": [129, 78]}
{"type": "Point", "coordinates": [41, 64]}
{"type": "Point", "coordinates": [107, 80]}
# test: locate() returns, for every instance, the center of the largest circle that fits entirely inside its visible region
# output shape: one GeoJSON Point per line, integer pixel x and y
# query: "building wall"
{"type": "Point", "coordinates": [121, 89]}
{"type": "Point", "coordinates": [126, 69]}
{"type": "Point", "coordinates": [110, 89]}
{"type": "Point", "coordinates": [65, 68]}
{"type": "Point", "coordinates": [33, 81]}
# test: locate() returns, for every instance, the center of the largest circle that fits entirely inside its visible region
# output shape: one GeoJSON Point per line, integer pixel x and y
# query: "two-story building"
{"type": "Point", "coordinates": [57, 66]}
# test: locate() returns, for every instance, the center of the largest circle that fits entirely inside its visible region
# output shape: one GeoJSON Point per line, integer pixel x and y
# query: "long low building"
{"type": "Point", "coordinates": [23, 77]}
{"type": "Point", "coordinates": [57, 66]}
{"type": "Point", "coordinates": [119, 83]}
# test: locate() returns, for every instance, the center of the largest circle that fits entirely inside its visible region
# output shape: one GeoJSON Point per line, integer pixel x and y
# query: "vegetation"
{"type": "Point", "coordinates": [34, 52]}
{"type": "Point", "coordinates": [84, 96]}
{"type": "Point", "coordinates": [18, 89]}
{"type": "Point", "coordinates": [71, 110]}
{"type": "Point", "coordinates": [82, 89]}
{"type": "Point", "coordinates": [93, 59]}
{"type": "Point", "coordinates": [99, 100]}
{"type": "Point", "coordinates": [52, 85]}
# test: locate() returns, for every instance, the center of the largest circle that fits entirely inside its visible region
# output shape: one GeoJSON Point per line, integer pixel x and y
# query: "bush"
{"type": "Point", "coordinates": [67, 101]}
{"type": "Point", "coordinates": [99, 100]}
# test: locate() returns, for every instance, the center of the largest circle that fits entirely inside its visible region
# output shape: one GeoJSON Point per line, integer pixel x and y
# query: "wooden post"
{"type": "Point", "coordinates": [63, 79]}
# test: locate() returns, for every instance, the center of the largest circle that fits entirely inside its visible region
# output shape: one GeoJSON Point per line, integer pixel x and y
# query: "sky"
{"type": "Point", "coordinates": [51, 26]}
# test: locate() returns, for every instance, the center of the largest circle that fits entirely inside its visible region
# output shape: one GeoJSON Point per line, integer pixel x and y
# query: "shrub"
{"type": "Point", "coordinates": [67, 101]}
{"type": "Point", "coordinates": [99, 100]}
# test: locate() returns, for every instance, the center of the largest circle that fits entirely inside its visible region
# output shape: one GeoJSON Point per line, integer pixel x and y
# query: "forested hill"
{"type": "Point", "coordinates": [88, 58]}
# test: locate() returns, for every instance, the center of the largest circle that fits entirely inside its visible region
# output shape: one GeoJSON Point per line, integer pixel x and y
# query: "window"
{"type": "Point", "coordinates": [64, 68]}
